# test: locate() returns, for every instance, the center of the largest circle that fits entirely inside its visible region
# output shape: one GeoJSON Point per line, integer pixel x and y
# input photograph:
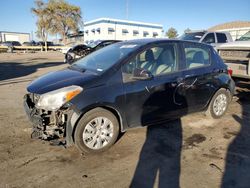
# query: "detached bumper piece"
{"type": "Point", "coordinates": [47, 125]}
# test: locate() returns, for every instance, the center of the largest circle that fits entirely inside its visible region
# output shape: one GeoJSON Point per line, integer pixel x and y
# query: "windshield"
{"type": "Point", "coordinates": [94, 44]}
{"type": "Point", "coordinates": [192, 36]}
{"type": "Point", "coordinates": [102, 59]}
{"type": "Point", "coordinates": [244, 37]}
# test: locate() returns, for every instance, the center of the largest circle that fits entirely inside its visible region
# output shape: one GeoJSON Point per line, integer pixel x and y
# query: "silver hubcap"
{"type": "Point", "coordinates": [220, 104]}
{"type": "Point", "coordinates": [98, 133]}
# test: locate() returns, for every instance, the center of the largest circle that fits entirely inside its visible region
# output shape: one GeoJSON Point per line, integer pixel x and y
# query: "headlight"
{"type": "Point", "coordinates": [53, 100]}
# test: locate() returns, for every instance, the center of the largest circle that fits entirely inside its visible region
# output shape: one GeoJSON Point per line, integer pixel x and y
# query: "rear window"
{"type": "Point", "coordinates": [196, 36]}
{"type": "Point", "coordinates": [221, 37]}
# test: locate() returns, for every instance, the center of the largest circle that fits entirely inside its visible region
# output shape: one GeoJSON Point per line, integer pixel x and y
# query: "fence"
{"type": "Point", "coordinates": [29, 48]}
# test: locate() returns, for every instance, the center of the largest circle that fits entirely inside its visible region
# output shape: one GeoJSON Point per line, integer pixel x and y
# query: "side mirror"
{"type": "Point", "coordinates": [142, 74]}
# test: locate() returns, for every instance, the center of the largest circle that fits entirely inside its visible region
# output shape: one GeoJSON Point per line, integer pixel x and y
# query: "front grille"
{"type": "Point", "coordinates": [235, 53]}
{"type": "Point", "coordinates": [36, 98]}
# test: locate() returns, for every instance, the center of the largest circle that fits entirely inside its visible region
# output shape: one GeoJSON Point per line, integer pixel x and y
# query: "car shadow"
{"type": "Point", "coordinates": [160, 157]}
{"type": "Point", "coordinates": [13, 70]}
{"type": "Point", "coordinates": [237, 169]}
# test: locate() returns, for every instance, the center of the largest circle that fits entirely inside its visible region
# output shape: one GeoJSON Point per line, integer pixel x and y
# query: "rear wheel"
{"type": "Point", "coordinates": [97, 130]}
{"type": "Point", "coordinates": [219, 104]}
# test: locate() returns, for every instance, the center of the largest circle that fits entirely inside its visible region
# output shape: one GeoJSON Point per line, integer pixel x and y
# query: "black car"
{"type": "Point", "coordinates": [76, 52]}
{"type": "Point", "coordinates": [41, 43]}
{"type": "Point", "coordinates": [124, 85]}
{"type": "Point", "coordinates": [31, 43]}
{"type": "Point", "coordinates": [11, 43]}
{"type": "Point", "coordinates": [81, 50]}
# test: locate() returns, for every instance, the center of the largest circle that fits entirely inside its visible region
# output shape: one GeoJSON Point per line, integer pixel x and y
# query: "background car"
{"type": "Point", "coordinates": [82, 50]}
{"type": "Point", "coordinates": [237, 56]}
{"type": "Point", "coordinates": [76, 52]}
{"type": "Point", "coordinates": [41, 43]}
{"type": "Point", "coordinates": [31, 43]}
{"type": "Point", "coordinates": [11, 43]}
{"type": "Point", "coordinates": [125, 85]}
{"type": "Point", "coordinates": [213, 38]}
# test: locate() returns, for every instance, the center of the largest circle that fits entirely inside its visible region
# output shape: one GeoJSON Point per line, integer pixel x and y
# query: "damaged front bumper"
{"type": "Point", "coordinates": [50, 125]}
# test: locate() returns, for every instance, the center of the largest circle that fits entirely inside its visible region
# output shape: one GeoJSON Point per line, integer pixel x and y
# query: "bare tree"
{"type": "Point", "coordinates": [44, 21]}
{"type": "Point", "coordinates": [66, 18]}
{"type": "Point", "coordinates": [56, 17]}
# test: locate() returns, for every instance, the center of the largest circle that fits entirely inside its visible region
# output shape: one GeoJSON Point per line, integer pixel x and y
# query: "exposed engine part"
{"type": "Point", "coordinates": [51, 124]}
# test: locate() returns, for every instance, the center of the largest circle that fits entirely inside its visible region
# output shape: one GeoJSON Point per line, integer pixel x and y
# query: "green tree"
{"type": "Point", "coordinates": [187, 30]}
{"type": "Point", "coordinates": [172, 33]}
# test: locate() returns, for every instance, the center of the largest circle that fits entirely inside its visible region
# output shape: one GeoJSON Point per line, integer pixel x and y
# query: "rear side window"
{"type": "Point", "coordinates": [209, 38]}
{"type": "Point", "coordinates": [196, 55]}
{"type": "Point", "coordinates": [221, 37]}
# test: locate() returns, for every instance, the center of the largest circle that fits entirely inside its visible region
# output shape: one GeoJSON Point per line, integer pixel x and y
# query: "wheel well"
{"type": "Point", "coordinates": [223, 88]}
{"type": "Point", "coordinates": [112, 110]}
{"type": "Point", "coordinates": [117, 115]}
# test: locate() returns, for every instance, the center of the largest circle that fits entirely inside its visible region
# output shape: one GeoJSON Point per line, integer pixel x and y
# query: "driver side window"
{"type": "Point", "coordinates": [157, 60]}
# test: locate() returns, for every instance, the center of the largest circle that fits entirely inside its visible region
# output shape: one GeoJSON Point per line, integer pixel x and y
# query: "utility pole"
{"type": "Point", "coordinates": [32, 37]}
{"type": "Point", "coordinates": [127, 9]}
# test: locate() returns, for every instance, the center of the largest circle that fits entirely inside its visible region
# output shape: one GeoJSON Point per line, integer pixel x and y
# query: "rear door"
{"type": "Point", "coordinates": [197, 76]}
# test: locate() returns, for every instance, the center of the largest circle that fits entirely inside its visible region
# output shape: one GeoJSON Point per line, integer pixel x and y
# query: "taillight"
{"type": "Point", "coordinates": [230, 71]}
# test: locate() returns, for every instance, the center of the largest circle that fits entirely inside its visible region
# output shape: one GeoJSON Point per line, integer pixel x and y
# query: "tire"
{"type": "Point", "coordinates": [69, 58]}
{"type": "Point", "coordinates": [219, 104]}
{"type": "Point", "coordinates": [96, 131]}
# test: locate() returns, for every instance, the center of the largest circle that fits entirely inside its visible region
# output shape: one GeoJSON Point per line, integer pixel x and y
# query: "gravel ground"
{"type": "Point", "coordinates": [194, 151]}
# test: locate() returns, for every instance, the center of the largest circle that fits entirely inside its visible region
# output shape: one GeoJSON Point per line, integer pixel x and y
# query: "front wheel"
{"type": "Point", "coordinates": [219, 104]}
{"type": "Point", "coordinates": [97, 130]}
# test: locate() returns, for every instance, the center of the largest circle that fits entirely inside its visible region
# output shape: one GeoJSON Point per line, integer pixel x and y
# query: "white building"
{"type": "Point", "coordinates": [236, 29]}
{"type": "Point", "coordinates": [114, 29]}
{"type": "Point", "coordinates": [14, 36]}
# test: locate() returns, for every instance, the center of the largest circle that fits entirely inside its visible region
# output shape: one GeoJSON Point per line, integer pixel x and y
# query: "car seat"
{"type": "Point", "coordinates": [149, 60]}
{"type": "Point", "coordinates": [166, 63]}
{"type": "Point", "coordinates": [198, 60]}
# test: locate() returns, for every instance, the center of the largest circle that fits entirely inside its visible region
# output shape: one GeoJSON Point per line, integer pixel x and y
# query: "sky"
{"type": "Point", "coordinates": [16, 16]}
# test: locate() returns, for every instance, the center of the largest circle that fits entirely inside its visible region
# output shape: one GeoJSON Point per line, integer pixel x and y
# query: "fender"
{"type": "Point", "coordinates": [75, 116]}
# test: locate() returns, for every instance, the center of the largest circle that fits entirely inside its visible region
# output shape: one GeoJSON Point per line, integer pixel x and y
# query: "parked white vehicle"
{"type": "Point", "coordinates": [237, 56]}
{"type": "Point", "coordinates": [213, 38]}
{"type": "Point", "coordinates": [65, 49]}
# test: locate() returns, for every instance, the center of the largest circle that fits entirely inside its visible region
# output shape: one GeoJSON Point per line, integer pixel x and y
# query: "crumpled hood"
{"type": "Point", "coordinates": [60, 79]}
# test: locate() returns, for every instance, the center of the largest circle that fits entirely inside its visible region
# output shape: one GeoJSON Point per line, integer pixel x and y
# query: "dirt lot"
{"type": "Point", "coordinates": [192, 152]}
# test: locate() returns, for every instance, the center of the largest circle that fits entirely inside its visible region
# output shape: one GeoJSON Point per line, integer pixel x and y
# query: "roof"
{"type": "Point", "coordinates": [123, 22]}
{"type": "Point", "coordinates": [14, 32]}
{"type": "Point", "coordinates": [230, 25]}
{"type": "Point", "coordinates": [155, 40]}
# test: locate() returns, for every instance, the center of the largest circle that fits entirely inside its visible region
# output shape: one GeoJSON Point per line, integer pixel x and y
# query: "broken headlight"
{"type": "Point", "coordinates": [53, 100]}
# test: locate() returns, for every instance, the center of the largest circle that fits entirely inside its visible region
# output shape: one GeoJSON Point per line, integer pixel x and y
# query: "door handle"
{"type": "Point", "coordinates": [179, 80]}
{"type": "Point", "coordinates": [216, 70]}
{"type": "Point", "coordinates": [189, 75]}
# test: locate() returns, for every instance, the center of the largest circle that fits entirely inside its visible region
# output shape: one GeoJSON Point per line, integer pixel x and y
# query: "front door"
{"type": "Point", "coordinates": [152, 100]}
